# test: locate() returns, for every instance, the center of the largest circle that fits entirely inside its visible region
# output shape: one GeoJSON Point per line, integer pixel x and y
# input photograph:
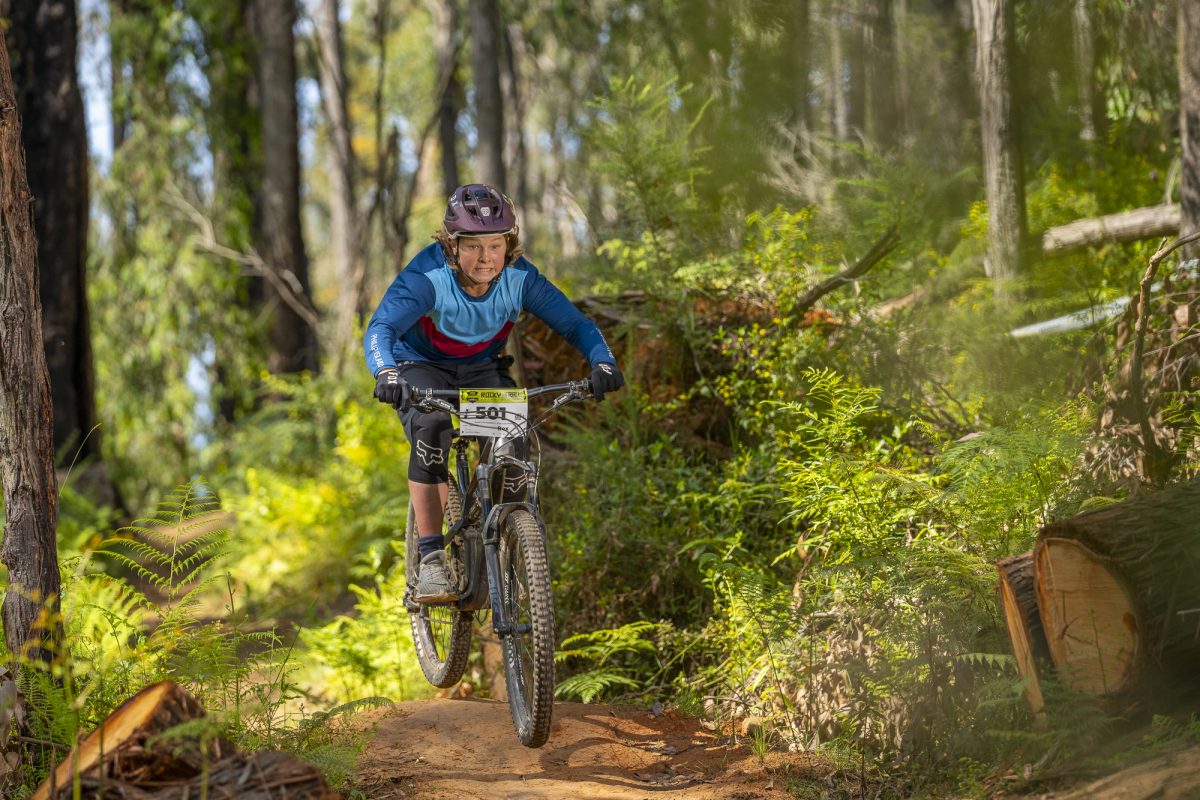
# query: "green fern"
{"type": "Point", "coordinates": [173, 549]}
{"type": "Point", "coordinates": [629, 644]}
{"type": "Point", "coordinates": [588, 686]}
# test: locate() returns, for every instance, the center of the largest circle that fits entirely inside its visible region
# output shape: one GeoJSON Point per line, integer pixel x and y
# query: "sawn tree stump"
{"type": "Point", "coordinates": [1018, 600]}
{"type": "Point", "coordinates": [1118, 591]}
{"type": "Point", "coordinates": [122, 759]}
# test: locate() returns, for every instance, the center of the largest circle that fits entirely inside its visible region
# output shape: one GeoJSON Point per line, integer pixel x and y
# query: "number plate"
{"type": "Point", "coordinates": [492, 412]}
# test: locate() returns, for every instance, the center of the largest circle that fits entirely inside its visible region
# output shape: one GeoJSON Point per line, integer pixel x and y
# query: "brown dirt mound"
{"type": "Point", "coordinates": [466, 750]}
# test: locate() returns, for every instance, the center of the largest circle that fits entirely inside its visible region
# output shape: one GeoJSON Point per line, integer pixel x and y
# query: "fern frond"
{"type": "Point", "coordinates": [587, 686]}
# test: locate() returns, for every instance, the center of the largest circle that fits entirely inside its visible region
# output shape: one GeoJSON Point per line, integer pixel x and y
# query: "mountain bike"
{"type": "Point", "coordinates": [495, 548]}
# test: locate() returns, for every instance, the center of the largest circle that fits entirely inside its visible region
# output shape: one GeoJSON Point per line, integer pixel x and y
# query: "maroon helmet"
{"type": "Point", "coordinates": [479, 210]}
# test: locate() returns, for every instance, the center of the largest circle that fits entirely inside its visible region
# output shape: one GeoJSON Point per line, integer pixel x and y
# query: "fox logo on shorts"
{"type": "Point", "coordinates": [430, 455]}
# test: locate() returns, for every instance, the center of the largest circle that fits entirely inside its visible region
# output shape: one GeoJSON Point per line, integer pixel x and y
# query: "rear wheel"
{"type": "Point", "coordinates": [441, 633]}
{"type": "Point", "coordinates": [529, 647]}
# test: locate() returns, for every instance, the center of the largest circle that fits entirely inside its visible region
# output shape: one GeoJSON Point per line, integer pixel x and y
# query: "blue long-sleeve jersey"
{"type": "Point", "coordinates": [426, 316]}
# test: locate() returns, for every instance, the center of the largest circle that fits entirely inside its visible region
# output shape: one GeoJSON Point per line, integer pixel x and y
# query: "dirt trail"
{"type": "Point", "coordinates": [466, 750]}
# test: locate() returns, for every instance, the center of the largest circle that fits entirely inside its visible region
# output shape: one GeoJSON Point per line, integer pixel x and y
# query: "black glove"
{"type": "Point", "coordinates": [606, 378]}
{"type": "Point", "coordinates": [390, 388]}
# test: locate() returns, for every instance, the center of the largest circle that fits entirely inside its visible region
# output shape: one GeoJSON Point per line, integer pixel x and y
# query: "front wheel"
{"type": "Point", "coordinates": [441, 633]}
{"type": "Point", "coordinates": [529, 646]}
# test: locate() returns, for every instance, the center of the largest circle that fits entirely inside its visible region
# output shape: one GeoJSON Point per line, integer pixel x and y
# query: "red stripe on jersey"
{"type": "Point", "coordinates": [454, 348]}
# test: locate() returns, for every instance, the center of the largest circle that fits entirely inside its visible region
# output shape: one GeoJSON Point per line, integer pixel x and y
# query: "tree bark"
{"type": "Point", "coordinates": [1085, 65]}
{"type": "Point", "coordinates": [293, 346]}
{"type": "Point", "coordinates": [882, 65]}
{"type": "Point", "coordinates": [1124, 226]}
{"type": "Point", "coordinates": [1189, 121]}
{"type": "Point", "coordinates": [1000, 129]}
{"type": "Point", "coordinates": [798, 51]}
{"type": "Point", "coordinates": [1018, 601]}
{"type": "Point", "coordinates": [838, 103]}
{"type": "Point", "coordinates": [448, 26]}
{"type": "Point", "coordinates": [343, 213]}
{"type": "Point", "coordinates": [26, 421]}
{"type": "Point", "coordinates": [855, 53]}
{"type": "Point", "coordinates": [514, 98]}
{"type": "Point", "coordinates": [42, 41]}
{"type": "Point", "coordinates": [489, 102]}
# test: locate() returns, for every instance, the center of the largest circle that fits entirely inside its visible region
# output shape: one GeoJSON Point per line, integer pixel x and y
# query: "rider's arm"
{"type": "Point", "coordinates": [547, 302]}
{"type": "Point", "coordinates": [409, 297]}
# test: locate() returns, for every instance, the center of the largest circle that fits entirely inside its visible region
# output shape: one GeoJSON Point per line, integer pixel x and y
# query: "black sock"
{"type": "Point", "coordinates": [429, 544]}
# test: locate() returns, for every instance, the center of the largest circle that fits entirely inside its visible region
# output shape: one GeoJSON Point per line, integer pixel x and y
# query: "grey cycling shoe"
{"type": "Point", "coordinates": [433, 584]}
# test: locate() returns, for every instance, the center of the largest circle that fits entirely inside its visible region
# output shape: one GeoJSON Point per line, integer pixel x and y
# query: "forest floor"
{"type": "Point", "coordinates": [465, 749]}
{"type": "Point", "coordinates": [1169, 776]}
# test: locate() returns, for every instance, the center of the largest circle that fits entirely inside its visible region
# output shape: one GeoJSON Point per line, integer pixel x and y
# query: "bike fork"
{"type": "Point", "coordinates": [501, 624]}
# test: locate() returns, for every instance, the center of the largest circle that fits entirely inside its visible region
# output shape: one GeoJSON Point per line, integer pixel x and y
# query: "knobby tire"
{"type": "Point", "coordinates": [441, 633]}
{"type": "Point", "coordinates": [528, 656]}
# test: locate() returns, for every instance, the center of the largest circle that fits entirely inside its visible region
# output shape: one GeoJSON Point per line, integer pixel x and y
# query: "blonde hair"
{"type": "Point", "coordinates": [513, 249]}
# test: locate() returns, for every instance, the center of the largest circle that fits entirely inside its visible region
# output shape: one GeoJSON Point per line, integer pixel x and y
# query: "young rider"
{"type": "Point", "coordinates": [442, 324]}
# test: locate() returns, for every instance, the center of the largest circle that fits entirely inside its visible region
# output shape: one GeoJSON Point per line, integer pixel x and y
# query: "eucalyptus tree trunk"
{"type": "Point", "coordinates": [855, 53]}
{"type": "Point", "coordinates": [447, 24]}
{"type": "Point", "coordinates": [798, 52]}
{"type": "Point", "coordinates": [839, 111]}
{"type": "Point", "coordinates": [514, 98]}
{"type": "Point", "coordinates": [999, 125]}
{"type": "Point", "coordinates": [486, 41]}
{"type": "Point", "coordinates": [279, 240]}
{"type": "Point", "coordinates": [882, 67]}
{"type": "Point", "coordinates": [1189, 120]}
{"type": "Point", "coordinates": [42, 42]}
{"type": "Point", "coordinates": [343, 214]}
{"type": "Point", "coordinates": [26, 422]}
{"type": "Point", "coordinates": [1085, 65]}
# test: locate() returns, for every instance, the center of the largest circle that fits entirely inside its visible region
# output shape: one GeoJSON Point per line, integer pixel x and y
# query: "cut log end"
{"type": "Point", "coordinates": [1090, 617]}
{"type": "Point", "coordinates": [153, 710]}
{"type": "Point", "coordinates": [1018, 600]}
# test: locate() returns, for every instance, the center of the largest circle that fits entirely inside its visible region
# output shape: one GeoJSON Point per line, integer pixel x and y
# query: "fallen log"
{"type": "Point", "coordinates": [1126, 226]}
{"type": "Point", "coordinates": [1117, 591]}
{"type": "Point", "coordinates": [125, 758]}
{"type": "Point", "coordinates": [124, 734]}
{"type": "Point", "coordinates": [1018, 601]}
{"type": "Point", "coordinates": [269, 775]}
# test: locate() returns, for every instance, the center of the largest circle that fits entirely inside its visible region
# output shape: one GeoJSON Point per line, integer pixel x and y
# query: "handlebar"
{"type": "Point", "coordinates": [582, 387]}
{"type": "Point", "coordinates": [440, 399]}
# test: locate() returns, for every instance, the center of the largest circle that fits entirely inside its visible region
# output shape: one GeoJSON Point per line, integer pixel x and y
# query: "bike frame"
{"type": "Point", "coordinates": [476, 489]}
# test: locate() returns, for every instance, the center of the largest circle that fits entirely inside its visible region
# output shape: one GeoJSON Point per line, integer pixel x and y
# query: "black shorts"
{"type": "Point", "coordinates": [429, 434]}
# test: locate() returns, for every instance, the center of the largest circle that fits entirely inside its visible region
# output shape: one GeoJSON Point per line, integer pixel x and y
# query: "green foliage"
{"type": "Point", "coordinates": [617, 523]}
{"type": "Point", "coordinates": [369, 652]}
{"type": "Point", "coordinates": [315, 480]}
{"type": "Point", "coordinates": [645, 151]}
{"type": "Point", "coordinates": [811, 517]}
{"type": "Point", "coordinates": [124, 633]}
{"type": "Point", "coordinates": [616, 653]}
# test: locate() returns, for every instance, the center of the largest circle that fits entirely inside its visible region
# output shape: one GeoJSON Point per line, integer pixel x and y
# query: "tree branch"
{"type": "Point", "coordinates": [884, 245]}
{"type": "Point", "coordinates": [400, 223]}
{"type": "Point", "coordinates": [283, 281]}
{"type": "Point", "coordinates": [1125, 226]}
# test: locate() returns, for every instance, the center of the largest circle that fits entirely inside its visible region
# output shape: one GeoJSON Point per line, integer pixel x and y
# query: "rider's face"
{"type": "Point", "coordinates": [481, 257]}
